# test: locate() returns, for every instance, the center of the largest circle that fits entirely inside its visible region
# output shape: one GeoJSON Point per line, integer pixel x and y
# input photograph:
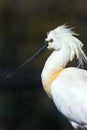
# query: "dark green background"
{"type": "Point", "coordinates": [23, 28]}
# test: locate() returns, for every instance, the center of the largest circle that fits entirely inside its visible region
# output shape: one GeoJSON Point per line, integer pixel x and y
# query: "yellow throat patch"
{"type": "Point", "coordinates": [52, 76]}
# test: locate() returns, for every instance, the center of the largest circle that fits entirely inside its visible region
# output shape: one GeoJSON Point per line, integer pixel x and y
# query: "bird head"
{"type": "Point", "coordinates": [63, 36]}
{"type": "Point", "coordinates": [59, 37]}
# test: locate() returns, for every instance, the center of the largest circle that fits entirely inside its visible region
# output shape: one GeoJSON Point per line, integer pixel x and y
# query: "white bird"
{"type": "Point", "coordinates": [66, 86]}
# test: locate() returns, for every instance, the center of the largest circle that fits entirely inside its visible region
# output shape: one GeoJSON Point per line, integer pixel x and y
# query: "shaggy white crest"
{"type": "Point", "coordinates": [65, 36]}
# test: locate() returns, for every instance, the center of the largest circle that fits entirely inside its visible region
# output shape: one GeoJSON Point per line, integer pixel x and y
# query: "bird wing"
{"type": "Point", "coordinates": [69, 93]}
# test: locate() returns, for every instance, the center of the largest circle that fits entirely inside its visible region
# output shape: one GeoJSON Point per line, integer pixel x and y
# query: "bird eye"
{"type": "Point", "coordinates": [51, 40]}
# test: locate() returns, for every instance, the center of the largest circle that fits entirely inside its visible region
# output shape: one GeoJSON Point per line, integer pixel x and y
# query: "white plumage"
{"type": "Point", "coordinates": [66, 86]}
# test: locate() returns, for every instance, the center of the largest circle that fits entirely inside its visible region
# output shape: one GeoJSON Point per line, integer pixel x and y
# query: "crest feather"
{"type": "Point", "coordinates": [68, 35]}
{"type": "Point", "coordinates": [65, 30]}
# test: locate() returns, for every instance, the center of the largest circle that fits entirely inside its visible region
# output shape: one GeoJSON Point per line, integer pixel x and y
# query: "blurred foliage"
{"type": "Point", "coordinates": [23, 28]}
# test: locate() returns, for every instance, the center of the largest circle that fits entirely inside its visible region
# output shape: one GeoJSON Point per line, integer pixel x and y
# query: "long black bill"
{"type": "Point", "coordinates": [28, 61]}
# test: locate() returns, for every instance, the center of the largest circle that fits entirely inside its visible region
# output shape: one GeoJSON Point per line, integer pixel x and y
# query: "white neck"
{"type": "Point", "coordinates": [56, 61]}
